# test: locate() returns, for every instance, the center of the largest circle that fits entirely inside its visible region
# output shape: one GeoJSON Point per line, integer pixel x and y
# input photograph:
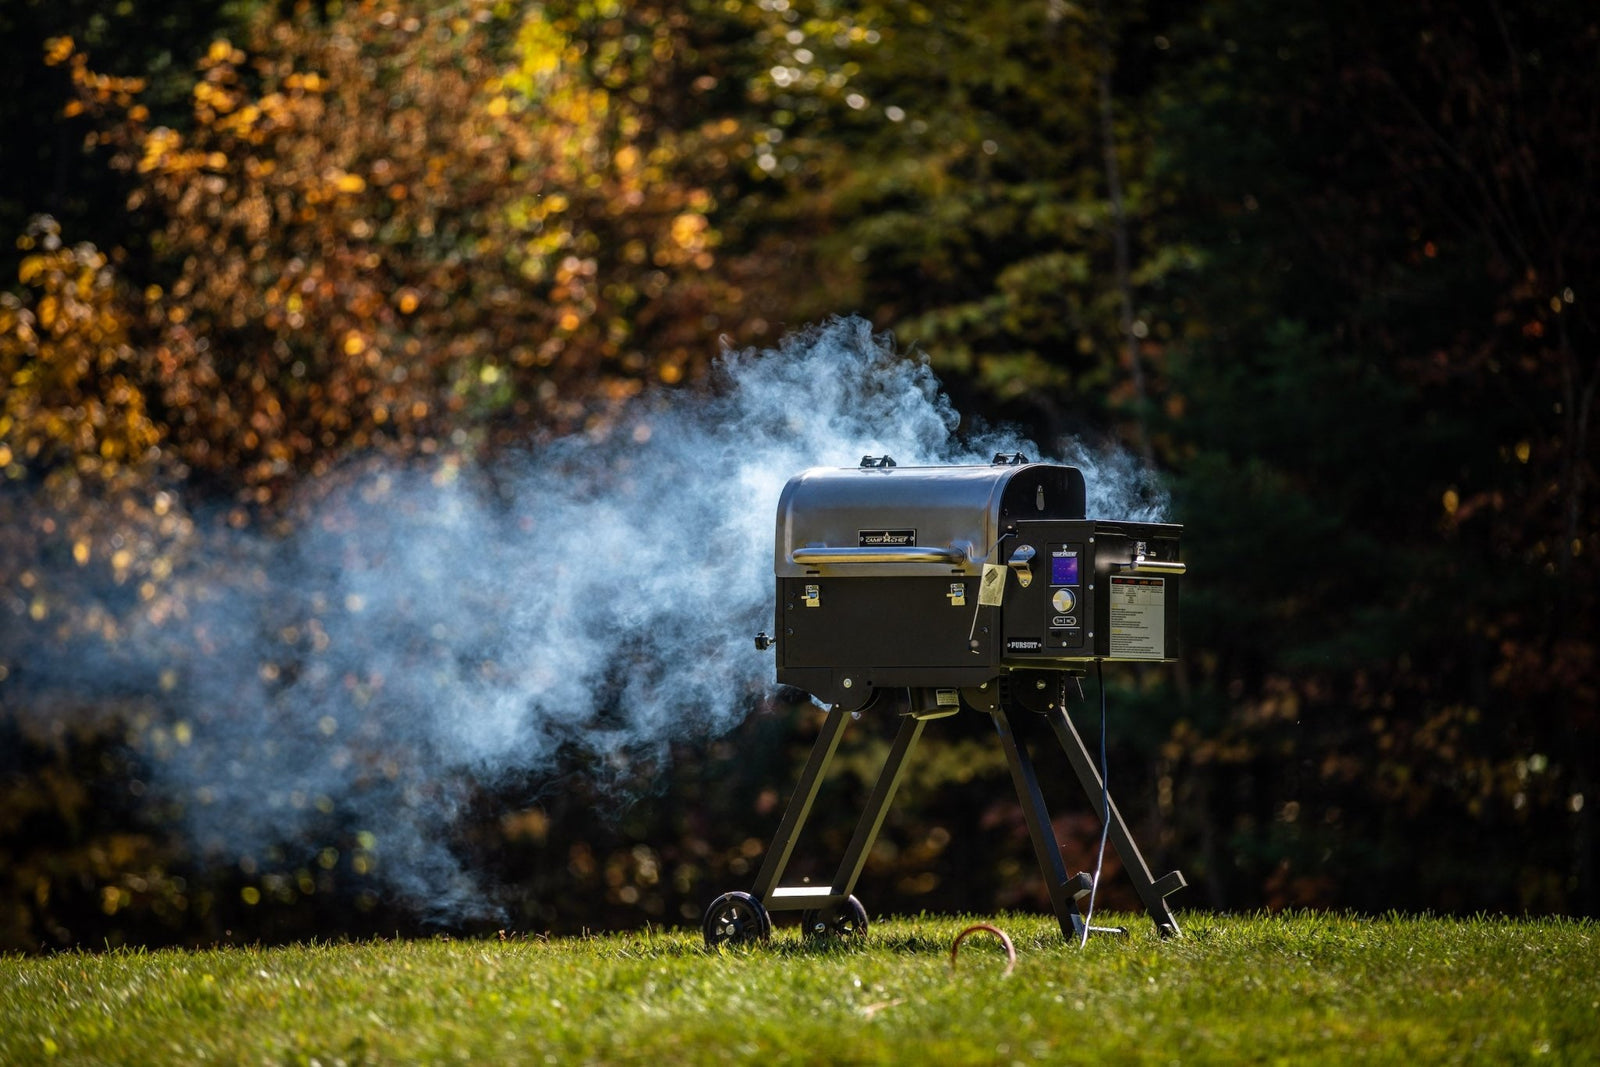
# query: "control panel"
{"type": "Point", "coordinates": [1066, 595]}
{"type": "Point", "coordinates": [1099, 589]}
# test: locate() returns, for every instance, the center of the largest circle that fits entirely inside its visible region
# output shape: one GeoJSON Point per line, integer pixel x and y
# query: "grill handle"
{"type": "Point", "coordinates": [1160, 567]}
{"type": "Point", "coordinates": [815, 554]}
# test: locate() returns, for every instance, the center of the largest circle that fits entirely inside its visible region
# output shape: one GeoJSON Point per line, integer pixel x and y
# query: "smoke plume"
{"type": "Point", "coordinates": [425, 628]}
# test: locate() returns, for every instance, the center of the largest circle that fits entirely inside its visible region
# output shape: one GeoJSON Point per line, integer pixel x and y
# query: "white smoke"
{"type": "Point", "coordinates": [423, 629]}
{"type": "Point", "coordinates": [1119, 486]}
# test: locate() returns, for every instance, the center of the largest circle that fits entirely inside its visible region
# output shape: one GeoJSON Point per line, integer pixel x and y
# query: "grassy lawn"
{"type": "Point", "coordinates": [1297, 988]}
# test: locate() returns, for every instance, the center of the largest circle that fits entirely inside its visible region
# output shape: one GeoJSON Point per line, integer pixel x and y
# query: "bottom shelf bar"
{"type": "Point", "coordinates": [798, 897]}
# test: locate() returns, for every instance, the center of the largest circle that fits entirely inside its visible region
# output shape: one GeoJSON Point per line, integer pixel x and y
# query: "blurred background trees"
{"type": "Point", "coordinates": [1327, 266]}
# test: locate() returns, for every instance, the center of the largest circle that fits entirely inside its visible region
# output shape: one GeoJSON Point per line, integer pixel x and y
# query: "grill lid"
{"type": "Point", "coordinates": [882, 519]}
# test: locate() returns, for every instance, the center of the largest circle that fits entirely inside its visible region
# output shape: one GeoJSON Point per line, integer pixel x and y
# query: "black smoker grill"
{"type": "Point", "coordinates": [916, 591]}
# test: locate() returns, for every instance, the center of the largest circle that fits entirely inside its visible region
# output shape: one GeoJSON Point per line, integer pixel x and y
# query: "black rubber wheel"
{"type": "Point", "coordinates": [736, 919]}
{"type": "Point", "coordinates": [847, 920]}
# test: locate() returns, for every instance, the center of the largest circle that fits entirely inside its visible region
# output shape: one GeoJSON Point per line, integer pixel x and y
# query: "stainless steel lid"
{"type": "Point", "coordinates": [881, 519]}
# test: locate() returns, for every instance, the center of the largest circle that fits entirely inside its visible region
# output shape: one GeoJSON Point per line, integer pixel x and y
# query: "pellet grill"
{"type": "Point", "coordinates": [919, 591]}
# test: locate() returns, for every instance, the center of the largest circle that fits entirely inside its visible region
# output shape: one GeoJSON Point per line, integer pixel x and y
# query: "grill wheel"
{"type": "Point", "coordinates": [736, 919]}
{"type": "Point", "coordinates": [848, 921]}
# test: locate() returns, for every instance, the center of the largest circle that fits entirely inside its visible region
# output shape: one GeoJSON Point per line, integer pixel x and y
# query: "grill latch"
{"type": "Point", "coordinates": [1021, 563]}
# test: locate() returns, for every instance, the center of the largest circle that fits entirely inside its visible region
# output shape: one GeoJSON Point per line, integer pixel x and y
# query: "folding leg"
{"type": "Point", "coordinates": [855, 856]}
{"type": "Point", "coordinates": [1152, 891]}
{"type": "Point", "coordinates": [1063, 892]}
{"type": "Point", "coordinates": [805, 793]}
{"type": "Point", "coordinates": [790, 898]}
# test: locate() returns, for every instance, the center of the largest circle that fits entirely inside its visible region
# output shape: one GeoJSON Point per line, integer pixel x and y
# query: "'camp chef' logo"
{"type": "Point", "coordinates": [888, 538]}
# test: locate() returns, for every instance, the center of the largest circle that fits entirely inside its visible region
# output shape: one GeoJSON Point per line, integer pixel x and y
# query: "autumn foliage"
{"type": "Point", "coordinates": [371, 246]}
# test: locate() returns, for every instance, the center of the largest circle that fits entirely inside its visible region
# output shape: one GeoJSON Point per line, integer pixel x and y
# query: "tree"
{"type": "Point", "coordinates": [382, 236]}
{"type": "Point", "coordinates": [48, 169]}
{"type": "Point", "coordinates": [952, 162]}
{"type": "Point", "coordinates": [1380, 374]}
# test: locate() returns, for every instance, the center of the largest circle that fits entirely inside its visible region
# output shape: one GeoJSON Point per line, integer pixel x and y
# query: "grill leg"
{"type": "Point", "coordinates": [855, 856]}
{"type": "Point", "coordinates": [1152, 891]}
{"type": "Point", "coordinates": [1062, 890]}
{"type": "Point", "coordinates": [805, 792]}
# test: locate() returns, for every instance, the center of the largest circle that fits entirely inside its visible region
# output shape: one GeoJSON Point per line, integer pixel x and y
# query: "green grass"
{"type": "Point", "coordinates": [1294, 989]}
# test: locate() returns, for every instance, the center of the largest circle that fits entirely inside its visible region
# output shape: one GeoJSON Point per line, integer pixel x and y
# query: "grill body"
{"type": "Point", "coordinates": [880, 579]}
{"type": "Point", "coordinates": [917, 591]}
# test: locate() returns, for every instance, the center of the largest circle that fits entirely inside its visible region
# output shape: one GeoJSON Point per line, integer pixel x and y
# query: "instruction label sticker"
{"type": "Point", "coordinates": [992, 587]}
{"type": "Point", "coordinates": [1138, 617]}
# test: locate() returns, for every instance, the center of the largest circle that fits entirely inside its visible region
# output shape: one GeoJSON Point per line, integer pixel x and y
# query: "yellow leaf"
{"type": "Point", "coordinates": [354, 344]}
{"type": "Point", "coordinates": [80, 552]}
{"type": "Point", "coordinates": [350, 183]}
{"type": "Point", "coordinates": [687, 228]}
{"type": "Point", "coordinates": [57, 50]}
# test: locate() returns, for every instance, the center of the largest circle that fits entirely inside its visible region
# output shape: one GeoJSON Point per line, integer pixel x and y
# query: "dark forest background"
{"type": "Point", "coordinates": [1326, 266]}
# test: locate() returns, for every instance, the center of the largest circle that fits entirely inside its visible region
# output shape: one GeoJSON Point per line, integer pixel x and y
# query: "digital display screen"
{"type": "Point", "coordinates": [1064, 568]}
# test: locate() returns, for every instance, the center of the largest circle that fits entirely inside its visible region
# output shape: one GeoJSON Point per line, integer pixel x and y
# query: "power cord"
{"type": "Point", "coordinates": [1105, 803]}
